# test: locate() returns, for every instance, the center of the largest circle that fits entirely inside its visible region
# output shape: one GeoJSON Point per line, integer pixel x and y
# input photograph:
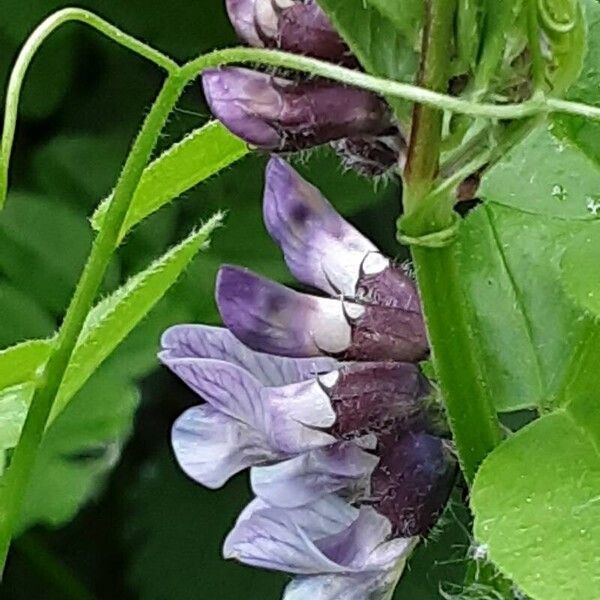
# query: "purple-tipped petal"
{"type": "Point", "coordinates": [281, 115]}
{"type": "Point", "coordinates": [376, 397]}
{"type": "Point", "coordinates": [241, 15]}
{"type": "Point", "coordinates": [211, 447]}
{"type": "Point", "coordinates": [203, 341]}
{"type": "Point", "coordinates": [269, 317]}
{"type": "Point", "coordinates": [412, 482]}
{"type": "Point", "coordinates": [320, 248]}
{"type": "Point", "coordinates": [306, 478]}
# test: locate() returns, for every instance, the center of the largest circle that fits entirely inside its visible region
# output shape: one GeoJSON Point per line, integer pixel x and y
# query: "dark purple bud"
{"type": "Point", "coordinates": [281, 115]}
{"type": "Point", "coordinates": [412, 482]}
{"type": "Point", "coordinates": [376, 397]}
{"type": "Point", "coordinates": [306, 29]}
{"type": "Point", "coordinates": [292, 25]}
{"type": "Point", "coordinates": [373, 156]}
{"type": "Point", "coordinates": [268, 317]}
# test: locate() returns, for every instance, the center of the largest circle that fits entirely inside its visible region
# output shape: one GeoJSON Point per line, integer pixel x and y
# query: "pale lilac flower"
{"type": "Point", "coordinates": [342, 551]}
{"type": "Point", "coordinates": [245, 422]}
{"type": "Point", "coordinates": [337, 551]}
{"type": "Point", "coordinates": [274, 113]}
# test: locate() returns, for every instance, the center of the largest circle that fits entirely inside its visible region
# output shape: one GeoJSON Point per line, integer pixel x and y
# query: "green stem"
{"type": "Point", "coordinates": [31, 46]}
{"type": "Point", "coordinates": [16, 478]}
{"type": "Point", "coordinates": [471, 415]}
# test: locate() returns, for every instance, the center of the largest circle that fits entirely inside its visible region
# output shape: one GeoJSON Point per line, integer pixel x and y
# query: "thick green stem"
{"type": "Point", "coordinates": [16, 478]}
{"type": "Point", "coordinates": [470, 411]}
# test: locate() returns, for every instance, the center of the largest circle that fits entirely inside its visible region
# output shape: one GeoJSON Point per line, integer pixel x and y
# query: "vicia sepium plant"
{"type": "Point", "coordinates": [361, 403]}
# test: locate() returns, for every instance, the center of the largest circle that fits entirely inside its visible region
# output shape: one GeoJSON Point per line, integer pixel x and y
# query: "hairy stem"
{"type": "Point", "coordinates": [471, 415]}
{"type": "Point", "coordinates": [16, 478]}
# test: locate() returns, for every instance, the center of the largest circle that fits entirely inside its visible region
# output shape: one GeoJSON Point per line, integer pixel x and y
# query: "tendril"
{"type": "Point", "coordinates": [558, 16]}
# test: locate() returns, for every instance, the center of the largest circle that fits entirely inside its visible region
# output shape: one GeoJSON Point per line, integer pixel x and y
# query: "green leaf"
{"type": "Point", "coordinates": [199, 155]}
{"type": "Point", "coordinates": [537, 508]}
{"type": "Point", "coordinates": [526, 328]}
{"type": "Point", "coordinates": [14, 401]}
{"type": "Point", "coordinates": [379, 45]}
{"type": "Point", "coordinates": [79, 450]}
{"type": "Point", "coordinates": [547, 176]}
{"type": "Point", "coordinates": [580, 269]}
{"type": "Point", "coordinates": [112, 320]}
{"type": "Point", "coordinates": [583, 132]}
{"type": "Point", "coordinates": [406, 15]}
{"type": "Point", "coordinates": [21, 363]}
{"type": "Point", "coordinates": [175, 534]}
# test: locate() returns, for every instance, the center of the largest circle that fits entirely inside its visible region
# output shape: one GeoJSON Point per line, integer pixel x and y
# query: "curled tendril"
{"type": "Point", "coordinates": [558, 16]}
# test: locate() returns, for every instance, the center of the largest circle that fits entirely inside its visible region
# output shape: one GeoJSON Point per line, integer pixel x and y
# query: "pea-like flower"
{"type": "Point", "coordinates": [286, 115]}
{"type": "Point", "coordinates": [374, 311]}
{"type": "Point", "coordinates": [322, 399]}
{"type": "Point", "coordinates": [274, 113]}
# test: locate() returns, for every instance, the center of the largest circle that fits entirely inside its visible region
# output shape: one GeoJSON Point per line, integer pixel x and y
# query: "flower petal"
{"type": "Point", "coordinates": [312, 475]}
{"type": "Point", "coordinates": [374, 585]}
{"type": "Point", "coordinates": [211, 447]}
{"type": "Point", "coordinates": [241, 15]}
{"type": "Point", "coordinates": [288, 424]}
{"type": "Point", "coordinates": [281, 539]}
{"type": "Point", "coordinates": [203, 341]}
{"type": "Point", "coordinates": [320, 247]}
{"type": "Point", "coordinates": [269, 317]}
{"type": "Point", "coordinates": [226, 387]}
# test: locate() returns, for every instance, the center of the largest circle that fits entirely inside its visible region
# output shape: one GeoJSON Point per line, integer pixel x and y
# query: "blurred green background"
{"type": "Point", "coordinates": [109, 515]}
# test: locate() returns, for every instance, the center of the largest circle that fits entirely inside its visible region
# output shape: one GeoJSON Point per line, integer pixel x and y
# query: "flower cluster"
{"type": "Point", "coordinates": [322, 397]}
{"type": "Point", "coordinates": [282, 114]}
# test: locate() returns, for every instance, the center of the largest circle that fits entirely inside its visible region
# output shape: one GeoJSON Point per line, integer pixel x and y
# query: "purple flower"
{"type": "Point", "coordinates": [245, 422]}
{"type": "Point", "coordinates": [345, 464]}
{"type": "Point", "coordinates": [291, 25]}
{"type": "Point", "coordinates": [337, 550]}
{"type": "Point", "coordinates": [376, 314]}
{"type": "Point", "coordinates": [274, 113]}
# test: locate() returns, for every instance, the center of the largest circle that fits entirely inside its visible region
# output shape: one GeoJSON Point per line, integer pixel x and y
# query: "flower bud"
{"type": "Point", "coordinates": [291, 25]}
{"type": "Point", "coordinates": [281, 115]}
